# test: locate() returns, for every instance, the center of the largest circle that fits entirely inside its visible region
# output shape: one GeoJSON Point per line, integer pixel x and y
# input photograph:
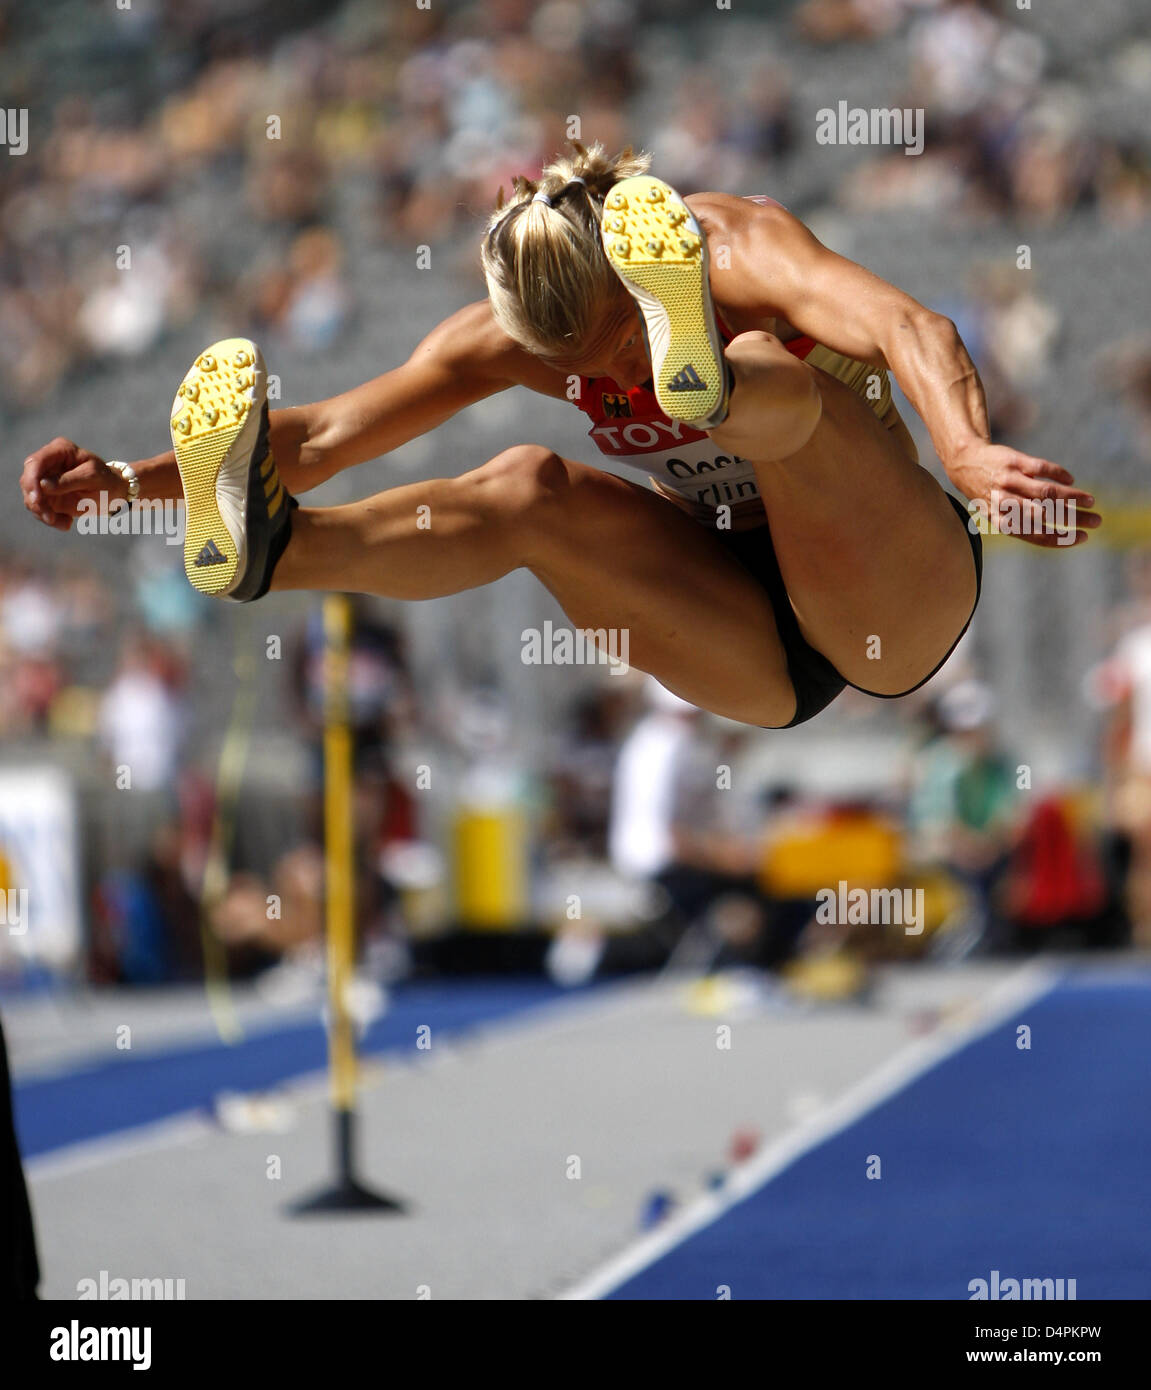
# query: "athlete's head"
{"type": "Point", "coordinates": [551, 287]}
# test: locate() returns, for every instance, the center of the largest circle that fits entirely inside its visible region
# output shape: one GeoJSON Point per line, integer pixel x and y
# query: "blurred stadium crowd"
{"type": "Point", "coordinates": [260, 163]}
{"type": "Point", "coordinates": [426, 112]}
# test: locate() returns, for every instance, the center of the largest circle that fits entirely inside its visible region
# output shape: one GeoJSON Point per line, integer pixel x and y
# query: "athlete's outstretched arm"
{"type": "Point", "coordinates": [462, 360]}
{"type": "Point", "coordinates": [777, 268]}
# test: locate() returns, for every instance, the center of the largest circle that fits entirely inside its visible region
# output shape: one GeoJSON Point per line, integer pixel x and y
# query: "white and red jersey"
{"type": "Point", "coordinates": [630, 428]}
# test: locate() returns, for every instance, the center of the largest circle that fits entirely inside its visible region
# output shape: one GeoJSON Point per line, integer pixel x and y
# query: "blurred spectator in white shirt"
{"type": "Point", "coordinates": [142, 719]}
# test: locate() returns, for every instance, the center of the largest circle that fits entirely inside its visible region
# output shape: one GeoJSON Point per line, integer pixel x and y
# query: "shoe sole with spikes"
{"type": "Point", "coordinates": [657, 249]}
{"type": "Point", "coordinates": [237, 507]}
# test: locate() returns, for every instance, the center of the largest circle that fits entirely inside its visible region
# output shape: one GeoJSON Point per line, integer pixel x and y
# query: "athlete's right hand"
{"type": "Point", "coordinates": [58, 477]}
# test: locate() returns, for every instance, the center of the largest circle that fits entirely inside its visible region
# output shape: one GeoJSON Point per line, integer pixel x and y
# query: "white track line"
{"type": "Point", "coordinates": [1021, 988]}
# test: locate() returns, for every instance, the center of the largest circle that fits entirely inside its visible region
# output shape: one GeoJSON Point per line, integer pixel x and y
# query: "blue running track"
{"type": "Point", "coordinates": [131, 1089]}
{"type": "Point", "coordinates": [1033, 1163]}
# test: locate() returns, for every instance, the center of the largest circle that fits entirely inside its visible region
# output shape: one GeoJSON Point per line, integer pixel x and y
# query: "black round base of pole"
{"type": "Point", "coordinates": [346, 1193]}
{"type": "Point", "coordinates": [347, 1197]}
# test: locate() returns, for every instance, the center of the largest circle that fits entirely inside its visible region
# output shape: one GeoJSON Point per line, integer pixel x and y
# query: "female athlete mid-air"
{"type": "Point", "coordinates": [791, 543]}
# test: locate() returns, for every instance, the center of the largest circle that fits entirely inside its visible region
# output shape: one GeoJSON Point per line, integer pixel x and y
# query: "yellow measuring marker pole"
{"type": "Point", "coordinates": [347, 1194]}
{"type": "Point", "coordinates": [339, 851]}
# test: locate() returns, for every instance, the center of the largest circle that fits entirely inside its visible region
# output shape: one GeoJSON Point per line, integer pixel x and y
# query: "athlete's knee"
{"type": "Point", "coordinates": [776, 402]}
{"type": "Point", "coordinates": [779, 380]}
{"type": "Point", "coordinates": [516, 483]}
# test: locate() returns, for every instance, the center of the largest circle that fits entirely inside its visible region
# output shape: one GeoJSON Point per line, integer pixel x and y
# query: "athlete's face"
{"type": "Point", "coordinates": [617, 349]}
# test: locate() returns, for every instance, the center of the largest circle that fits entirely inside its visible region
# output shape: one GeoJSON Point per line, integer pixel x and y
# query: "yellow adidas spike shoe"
{"type": "Point", "coordinates": [239, 512]}
{"type": "Point", "coordinates": [657, 249]}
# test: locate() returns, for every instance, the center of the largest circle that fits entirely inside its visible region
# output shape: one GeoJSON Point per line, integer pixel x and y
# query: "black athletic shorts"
{"type": "Point", "coordinates": [815, 679]}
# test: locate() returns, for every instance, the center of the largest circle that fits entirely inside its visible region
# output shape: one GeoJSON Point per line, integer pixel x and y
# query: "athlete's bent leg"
{"type": "Point", "coordinates": [421, 540]}
{"type": "Point", "coordinates": [874, 557]}
{"type": "Point", "coordinates": [877, 562]}
{"type": "Point", "coordinates": [613, 554]}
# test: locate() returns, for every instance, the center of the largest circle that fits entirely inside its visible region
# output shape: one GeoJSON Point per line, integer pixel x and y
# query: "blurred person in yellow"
{"type": "Point", "coordinates": [792, 543]}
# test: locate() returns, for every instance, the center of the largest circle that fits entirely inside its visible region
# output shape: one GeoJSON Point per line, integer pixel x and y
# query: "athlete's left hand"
{"type": "Point", "coordinates": [1017, 494]}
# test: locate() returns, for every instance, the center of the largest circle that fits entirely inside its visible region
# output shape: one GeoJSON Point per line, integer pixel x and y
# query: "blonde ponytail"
{"type": "Point", "coordinates": [548, 279]}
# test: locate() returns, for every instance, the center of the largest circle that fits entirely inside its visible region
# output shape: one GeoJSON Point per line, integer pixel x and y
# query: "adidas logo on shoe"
{"type": "Point", "coordinates": [686, 380]}
{"type": "Point", "coordinates": [211, 555]}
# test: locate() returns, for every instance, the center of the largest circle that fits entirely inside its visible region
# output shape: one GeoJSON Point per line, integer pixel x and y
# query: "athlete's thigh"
{"type": "Point", "coordinates": [876, 560]}
{"type": "Point", "coordinates": [618, 556]}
